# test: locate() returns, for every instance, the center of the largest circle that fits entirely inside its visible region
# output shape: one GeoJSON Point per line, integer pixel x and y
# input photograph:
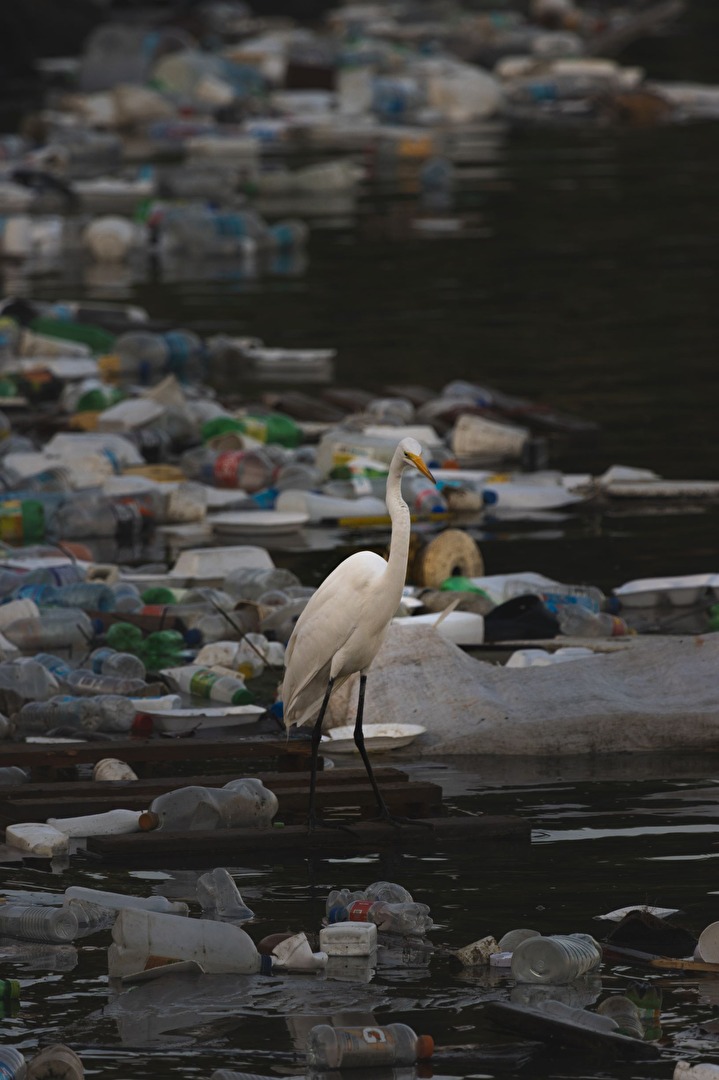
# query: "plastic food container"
{"type": "Point", "coordinates": [349, 939]}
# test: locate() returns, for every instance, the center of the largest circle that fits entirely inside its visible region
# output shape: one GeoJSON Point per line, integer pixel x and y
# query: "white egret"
{"type": "Point", "coordinates": [342, 627]}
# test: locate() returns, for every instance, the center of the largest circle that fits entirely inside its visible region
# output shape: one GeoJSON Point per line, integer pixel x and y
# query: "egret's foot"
{"type": "Point", "coordinates": [315, 822]}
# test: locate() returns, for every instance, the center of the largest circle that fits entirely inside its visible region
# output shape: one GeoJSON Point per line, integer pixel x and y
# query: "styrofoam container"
{"type": "Point", "coordinates": [37, 839]}
{"type": "Point", "coordinates": [461, 627]}
{"type": "Point", "coordinates": [349, 939]}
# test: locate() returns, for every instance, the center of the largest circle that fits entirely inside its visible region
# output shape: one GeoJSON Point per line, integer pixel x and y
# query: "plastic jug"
{"type": "Point", "coordinates": [143, 939]}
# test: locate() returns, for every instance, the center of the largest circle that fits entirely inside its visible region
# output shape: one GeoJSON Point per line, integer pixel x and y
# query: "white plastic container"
{"type": "Point", "coordinates": [143, 939]}
{"type": "Point", "coordinates": [349, 939]}
{"type": "Point", "coordinates": [110, 238]}
{"type": "Point", "coordinates": [461, 627]}
{"type": "Point", "coordinates": [111, 823]}
{"type": "Point", "coordinates": [684, 1071]}
{"type": "Point", "coordinates": [113, 769]}
{"type": "Point", "coordinates": [119, 901]}
{"type": "Point", "coordinates": [37, 839]}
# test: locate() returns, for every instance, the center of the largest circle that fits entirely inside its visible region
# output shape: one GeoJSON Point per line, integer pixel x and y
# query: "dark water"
{"type": "Point", "coordinates": [585, 276]}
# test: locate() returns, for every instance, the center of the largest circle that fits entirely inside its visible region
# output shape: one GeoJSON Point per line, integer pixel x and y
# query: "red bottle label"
{"type": "Point", "coordinates": [358, 910]}
{"type": "Point", "coordinates": [226, 466]}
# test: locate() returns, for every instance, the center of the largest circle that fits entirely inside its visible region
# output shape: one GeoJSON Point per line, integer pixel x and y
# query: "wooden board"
{"type": "Point", "coordinates": [206, 847]}
{"type": "Point", "coordinates": [403, 798]}
{"type": "Point", "coordinates": [671, 963]}
{"type": "Point", "coordinates": [42, 758]}
{"type": "Point", "coordinates": [156, 785]}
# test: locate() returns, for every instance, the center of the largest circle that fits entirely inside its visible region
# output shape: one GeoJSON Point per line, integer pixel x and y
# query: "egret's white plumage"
{"type": "Point", "coordinates": [342, 627]}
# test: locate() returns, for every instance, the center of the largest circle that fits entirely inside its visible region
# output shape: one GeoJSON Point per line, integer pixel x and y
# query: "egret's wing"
{"type": "Point", "coordinates": [324, 627]}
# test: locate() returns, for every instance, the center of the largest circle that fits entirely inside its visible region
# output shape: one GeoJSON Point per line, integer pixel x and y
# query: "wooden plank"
{"type": "Point", "coordinates": [409, 798]}
{"type": "Point", "coordinates": [156, 785]}
{"type": "Point", "coordinates": [673, 963]}
{"type": "Point", "coordinates": [538, 1024]}
{"type": "Point", "coordinates": [429, 833]}
{"type": "Point", "coordinates": [45, 756]}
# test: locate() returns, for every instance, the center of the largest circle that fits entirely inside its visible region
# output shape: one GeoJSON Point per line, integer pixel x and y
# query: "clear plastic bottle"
{"type": "Point", "coordinates": [243, 803]}
{"type": "Point", "coordinates": [83, 681]}
{"type": "Point", "coordinates": [12, 775]}
{"type": "Point", "coordinates": [625, 1013]}
{"type": "Point", "coordinates": [127, 596]}
{"type": "Point", "coordinates": [12, 1064]}
{"type": "Point", "coordinates": [423, 498]}
{"type": "Point", "coordinates": [57, 1062]}
{"type": "Point", "coordinates": [247, 470]}
{"type": "Point", "coordinates": [120, 901]}
{"type": "Point", "coordinates": [403, 918]}
{"type": "Point", "coordinates": [577, 621]}
{"type": "Point", "coordinates": [55, 665]}
{"type": "Point", "coordinates": [86, 595]}
{"type": "Point", "coordinates": [64, 628]}
{"type": "Point", "coordinates": [105, 712]}
{"type": "Point", "coordinates": [369, 1047]}
{"type": "Point", "coordinates": [217, 893]}
{"type": "Point", "coordinates": [100, 516]}
{"type": "Point", "coordinates": [389, 892]}
{"type": "Point", "coordinates": [32, 923]}
{"type": "Point", "coordinates": [91, 918]}
{"type": "Point", "coordinates": [205, 683]}
{"type": "Point", "coordinates": [28, 679]}
{"type": "Point", "coordinates": [121, 665]}
{"type": "Point", "coordinates": [250, 582]}
{"type": "Point", "coordinates": [560, 958]}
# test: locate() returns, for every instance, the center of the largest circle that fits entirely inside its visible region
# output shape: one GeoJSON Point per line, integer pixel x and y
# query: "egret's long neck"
{"type": "Point", "coordinates": [399, 516]}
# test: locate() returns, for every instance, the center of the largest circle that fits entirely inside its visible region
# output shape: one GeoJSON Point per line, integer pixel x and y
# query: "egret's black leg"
{"type": "Point", "coordinates": [312, 820]}
{"type": "Point", "coordinates": [384, 811]}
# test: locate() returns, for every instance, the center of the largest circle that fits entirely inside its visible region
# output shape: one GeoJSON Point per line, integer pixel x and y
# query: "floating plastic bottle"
{"type": "Point", "coordinates": [105, 712]}
{"type": "Point", "coordinates": [248, 470]}
{"type": "Point", "coordinates": [86, 595]}
{"type": "Point", "coordinates": [21, 520]}
{"type": "Point", "coordinates": [141, 937]}
{"type": "Point", "coordinates": [625, 1014]}
{"type": "Point", "coordinates": [57, 1062]}
{"type": "Point", "coordinates": [369, 1047]}
{"type": "Point", "coordinates": [243, 803]}
{"type": "Point", "coordinates": [120, 901]}
{"type": "Point", "coordinates": [556, 959]}
{"type": "Point", "coordinates": [12, 1064]}
{"type": "Point", "coordinates": [402, 918]}
{"type": "Point", "coordinates": [32, 923]}
{"type": "Point", "coordinates": [217, 893]}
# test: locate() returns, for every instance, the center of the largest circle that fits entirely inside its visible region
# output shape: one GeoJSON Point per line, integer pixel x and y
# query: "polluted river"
{"type": "Point", "coordinates": [571, 264]}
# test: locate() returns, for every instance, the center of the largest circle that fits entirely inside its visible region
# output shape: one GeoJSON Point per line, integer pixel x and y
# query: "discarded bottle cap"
{"type": "Point", "coordinates": [148, 820]}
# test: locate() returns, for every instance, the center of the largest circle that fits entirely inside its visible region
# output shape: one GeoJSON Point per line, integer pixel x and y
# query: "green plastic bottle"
{"type": "Point", "coordinates": [220, 425]}
{"type": "Point", "coordinates": [99, 340]}
{"type": "Point", "coordinates": [159, 594]}
{"type": "Point", "coordinates": [273, 428]}
{"type": "Point", "coordinates": [125, 637]}
{"type": "Point", "coordinates": [21, 520]}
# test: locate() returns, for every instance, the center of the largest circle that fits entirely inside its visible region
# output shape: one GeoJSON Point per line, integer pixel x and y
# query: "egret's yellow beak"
{"type": "Point", "coordinates": [419, 464]}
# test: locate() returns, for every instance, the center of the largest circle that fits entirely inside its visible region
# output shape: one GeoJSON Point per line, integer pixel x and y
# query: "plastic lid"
{"type": "Point", "coordinates": [425, 1047]}
{"type": "Point", "coordinates": [148, 820]}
